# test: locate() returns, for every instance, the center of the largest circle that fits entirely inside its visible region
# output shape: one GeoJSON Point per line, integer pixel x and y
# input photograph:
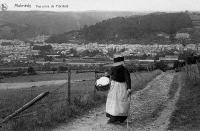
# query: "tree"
{"type": "Point", "coordinates": [20, 71]}
{"type": "Point", "coordinates": [62, 69]}
{"type": "Point", "coordinates": [59, 38]}
{"type": "Point", "coordinates": [196, 36]}
{"type": "Point", "coordinates": [46, 67]}
{"type": "Point", "coordinates": [31, 71]}
{"type": "Point", "coordinates": [130, 28]}
{"type": "Point", "coordinates": [161, 65]}
{"type": "Point", "coordinates": [73, 51]}
{"type": "Point", "coordinates": [48, 58]}
{"type": "Point", "coordinates": [90, 53]}
{"type": "Point", "coordinates": [54, 69]}
{"type": "Point", "coordinates": [44, 50]}
{"type": "Point", "coordinates": [1, 77]}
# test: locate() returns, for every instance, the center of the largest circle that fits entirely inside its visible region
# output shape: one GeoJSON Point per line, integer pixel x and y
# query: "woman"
{"type": "Point", "coordinates": [117, 104]}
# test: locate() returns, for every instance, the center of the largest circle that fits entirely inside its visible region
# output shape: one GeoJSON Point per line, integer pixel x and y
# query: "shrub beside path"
{"type": "Point", "coordinates": [150, 109]}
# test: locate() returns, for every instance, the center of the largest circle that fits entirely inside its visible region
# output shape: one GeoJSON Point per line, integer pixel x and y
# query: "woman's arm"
{"type": "Point", "coordinates": [128, 82]}
{"type": "Point", "coordinates": [128, 79]}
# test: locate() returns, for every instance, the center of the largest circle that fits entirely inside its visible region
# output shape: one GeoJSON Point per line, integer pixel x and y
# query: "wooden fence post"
{"type": "Point", "coordinates": [69, 85]}
{"type": "Point", "coordinates": [198, 68]}
{"type": "Point", "coordinates": [148, 68]}
{"type": "Point", "coordinates": [187, 70]}
{"type": "Point", "coordinates": [95, 75]}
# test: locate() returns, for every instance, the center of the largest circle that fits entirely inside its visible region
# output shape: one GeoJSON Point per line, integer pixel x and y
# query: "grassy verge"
{"type": "Point", "coordinates": [139, 80]}
{"type": "Point", "coordinates": [186, 116]}
{"type": "Point", "coordinates": [54, 109]}
{"type": "Point", "coordinates": [174, 86]}
{"type": "Point", "coordinates": [162, 106]}
{"type": "Point", "coordinates": [50, 112]}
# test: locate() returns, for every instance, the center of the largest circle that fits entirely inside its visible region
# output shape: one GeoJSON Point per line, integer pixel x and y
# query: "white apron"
{"type": "Point", "coordinates": [117, 103]}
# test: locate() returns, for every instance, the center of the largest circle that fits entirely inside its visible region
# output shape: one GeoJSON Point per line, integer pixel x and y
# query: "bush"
{"type": "Point", "coordinates": [1, 77]}
{"type": "Point", "coordinates": [54, 69]}
{"type": "Point", "coordinates": [46, 67]}
{"type": "Point", "coordinates": [31, 71]}
{"type": "Point", "coordinates": [161, 65]}
{"type": "Point", "coordinates": [62, 69]}
{"type": "Point", "coordinates": [20, 72]}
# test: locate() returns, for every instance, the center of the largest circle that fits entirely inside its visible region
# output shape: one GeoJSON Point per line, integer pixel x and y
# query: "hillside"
{"type": "Point", "coordinates": [27, 24]}
{"type": "Point", "coordinates": [137, 27]}
{"type": "Point", "coordinates": [20, 31]}
{"type": "Point", "coordinates": [195, 17]}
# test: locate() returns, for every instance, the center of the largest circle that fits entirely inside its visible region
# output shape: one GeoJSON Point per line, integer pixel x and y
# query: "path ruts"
{"type": "Point", "coordinates": [150, 109]}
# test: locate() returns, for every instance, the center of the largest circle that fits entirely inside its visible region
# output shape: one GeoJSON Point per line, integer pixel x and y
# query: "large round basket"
{"type": "Point", "coordinates": [102, 84]}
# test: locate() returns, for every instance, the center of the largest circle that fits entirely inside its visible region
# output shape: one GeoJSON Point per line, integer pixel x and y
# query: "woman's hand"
{"type": "Point", "coordinates": [129, 92]}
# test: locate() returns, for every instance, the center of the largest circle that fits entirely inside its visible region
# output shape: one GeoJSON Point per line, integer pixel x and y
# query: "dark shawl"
{"type": "Point", "coordinates": [121, 74]}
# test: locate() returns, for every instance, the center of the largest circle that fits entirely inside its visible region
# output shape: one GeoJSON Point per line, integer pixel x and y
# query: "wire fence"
{"type": "Point", "coordinates": [79, 84]}
{"type": "Point", "coordinates": [63, 94]}
{"type": "Point", "coordinates": [193, 71]}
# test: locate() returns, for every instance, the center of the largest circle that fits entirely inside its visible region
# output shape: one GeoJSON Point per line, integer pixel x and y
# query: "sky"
{"type": "Point", "coordinates": [103, 5]}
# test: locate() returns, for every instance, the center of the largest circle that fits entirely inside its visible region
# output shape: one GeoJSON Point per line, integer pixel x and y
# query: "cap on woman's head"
{"type": "Point", "coordinates": [118, 60]}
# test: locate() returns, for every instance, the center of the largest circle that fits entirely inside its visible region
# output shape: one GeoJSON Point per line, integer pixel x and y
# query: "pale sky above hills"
{"type": "Point", "coordinates": [106, 5]}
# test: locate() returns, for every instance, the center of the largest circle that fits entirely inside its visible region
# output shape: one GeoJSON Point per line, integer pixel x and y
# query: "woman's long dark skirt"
{"type": "Point", "coordinates": [116, 118]}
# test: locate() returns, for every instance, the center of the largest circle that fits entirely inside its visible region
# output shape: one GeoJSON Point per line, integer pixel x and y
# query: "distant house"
{"type": "Point", "coordinates": [164, 35]}
{"type": "Point", "coordinates": [169, 58]}
{"type": "Point", "coordinates": [184, 30]}
{"type": "Point", "coordinates": [23, 58]}
{"type": "Point", "coordinates": [41, 38]}
{"type": "Point", "coordinates": [191, 46]}
{"type": "Point", "coordinates": [182, 36]}
{"type": "Point", "coordinates": [54, 56]}
{"type": "Point", "coordinates": [6, 59]}
{"type": "Point", "coordinates": [35, 52]}
{"type": "Point", "coordinates": [147, 60]}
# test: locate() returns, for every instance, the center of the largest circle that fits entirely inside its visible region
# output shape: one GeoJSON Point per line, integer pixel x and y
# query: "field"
{"type": "Point", "coordinates": [54, 108]}
{"type": "Point", "coordinates": [186, 116]}
{"type": "Point", "coordinates": [47, 77]}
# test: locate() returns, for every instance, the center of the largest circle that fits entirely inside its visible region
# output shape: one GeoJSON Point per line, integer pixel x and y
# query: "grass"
{"type": "Point", "coordinates": [186, 116]}
{"type": "Point", "coordinates": [54, 109]}
{"type": "Point", "coordinates": [162, 106]}
{"type": "Point", "coordinates": [139, 80]}
{"type": "Point", "coordinates": [47, 77]}
{"type": "Point", "coordinates": [174, 87]}
{"type": "Point", "coordinates": [50, 111]}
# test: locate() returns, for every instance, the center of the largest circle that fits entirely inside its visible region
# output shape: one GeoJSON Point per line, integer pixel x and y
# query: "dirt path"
{"type": "Point", "coordinates": [162, 122]}
{"type": "Point", "coordinates": [145, 105]}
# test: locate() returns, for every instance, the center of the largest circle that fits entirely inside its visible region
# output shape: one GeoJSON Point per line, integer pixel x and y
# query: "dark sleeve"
{"type": "Point", "coordinates": [128, 79]}
{"type": "Point", "coordinates": [109, 73]}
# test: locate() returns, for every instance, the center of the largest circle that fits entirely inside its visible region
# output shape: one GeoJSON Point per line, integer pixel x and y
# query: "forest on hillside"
{"type": "Point", "coordinates": [143, 27]}
{"type": "Point", "coordinates": [28, 24]}
{"type": "Point", "coordinates": [136, 27]}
